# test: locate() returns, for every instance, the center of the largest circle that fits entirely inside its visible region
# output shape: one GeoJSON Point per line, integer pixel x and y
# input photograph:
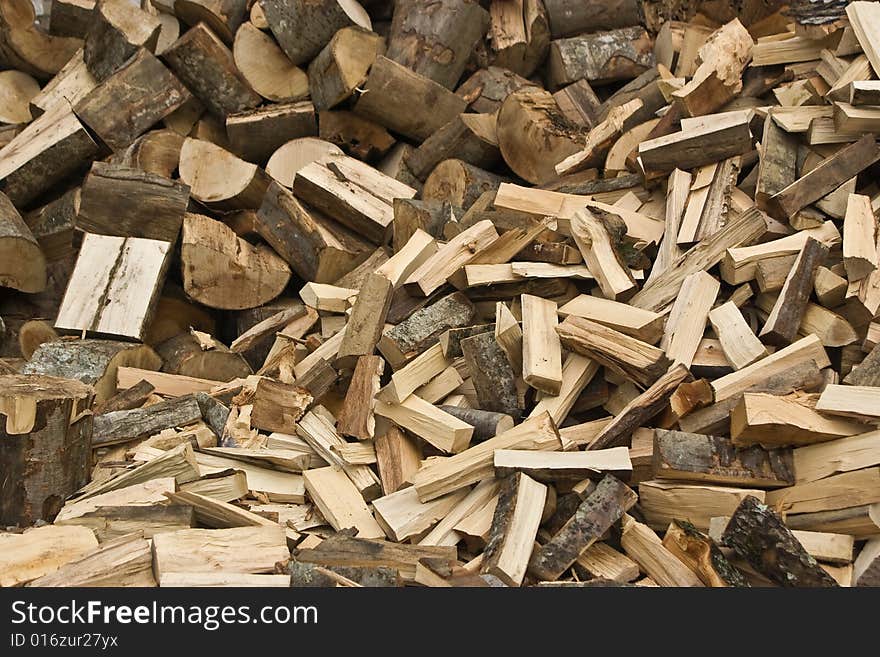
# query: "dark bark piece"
{"type": "Point", "coordinates": [71, 18]}
{"type": "Point", "coordinates": [437, 40]}
{"type": "Point", "coordinates": [700, 553]}
{"type": "Point", "coordinates": [44, 421]}
{"type": "Point", "coordinates": [93, 362]}
{"type": "Point", "coordinates": [486, 424]}
{"type": "Point", "coordinates": [486, 89]}
{"type": "Point", "coordinates": [423, 328]}
{"type": "Point", "coordinates": [467, 137]}
{"type": "Point", "coordinates": [127, 202]}
{"type": "Point", "coordinates": [493, 377]}
{"type": "Point", "coordinates": [366, 321]}
{"type": "Point", "coordinates": [128, 399]}
{"type": "Point", "coordinates": [450, 341]}
{"type": "Point", "coordinates": [308, 575]}
{"type": "Point", "coordinates": [121, 426]}
{"type": "Point", "coordinates": [256, 134]}
{"type": "Point", "coordinates": [595, 515]}
{"type": "Point", "coordinates": [601, 57]}
{"type": "Point", "coordinates": [118, 29]}
{"type": "Point", "coordinates": [214, 413]}
{"type": "Point", "coordinates": [641, 409]}
{"type": "Point", "coordinates": [633, 359]}
{"type": "Point", "coordinates": [205, 65]}
{"type": "Point", "coordinates": [568, 17]}
{"type": "Point", "coordinates": [866, 373]}
{"type": "Point", "coordinates": [387, 100]}
{"type": "Point", "coordinates": [317, 248]}
{"type": "Point", "coordinates": [714, 459]}
{"type": "Point", "coordinates": [303, 27]}
{"type": "Point", "coordinates": [128, 103]}
{"type": "Point", "coordinates": [825, 178]}
{"type": "Point", "coordinates": [785, 318]}
{"type": "Point", "coordinates": [759, 536]}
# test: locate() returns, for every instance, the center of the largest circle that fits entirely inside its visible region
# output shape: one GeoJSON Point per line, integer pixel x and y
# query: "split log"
{"type": "Point", "coordinates": [519, 35]}
{"type": "Point", "coordinates": [492, 375]}
{"type": "Point", "coordinates": [356, 418]}
{"type": "Point", "coordinates": [486, 424]}
{"type": "Point", "coordinates": [316, 248]}
{"type": "Point", "coordinates": [771, 420]}
{"type": "Point", "coordinates": [355, 135]}
{"type": "Point", "coordinates": [352, 192]}
{"type": "Point", "coordinates": [713, 459]}
{"type": "Point", "coordinates": [468, 137]}
{"type": "Point", "coordinates": [342, 66]}
{"type": "Point", "coordinates": [740, 345]}
{"type": "Point", "coordinates": [458, 183]}
{"type": "Point", "coordinates": [486, 89]}
{"type": "Point", "coordinates": [542, 351]}
{"type": "Point", "coordinates": [29, 49]}
{"type": "Point", "coordinates": [784, 320]}
{"type": "Point", "coordinates": [198, 355]}
{"type": "Point", "coordinates": [451, 27]}
{"type": "Point", "coordinates": [122, 426]}
{"type": "Point", "coordinates": [224, 17]}
{"type": "Point", "coordinates": [43, 415]}
{"type": "Point", "coordinates": [565, 469]}
{"type": "Point", "coordinates": [688, 316]}
{"type": "Point", "coordinates": [135, 97]}
{"type": "Point", "coordinates": [340, 502]}
{"type": "Point", "coordinates": [415, 374]}
{"type": "Point", "coordinates": [445, 432]}
{"type": "Point", "coordinates": [40, 551]}
{"type": "Point", "coordinates": [859, 238]}
{"type": "Point", "coordinates": [52, 147]}
{"type": "Point", "coordinates": [514, 528]}
{"type": "Point", "coordinates": [93, 362]}
{"type": "Point", "coordinates": [23, 263]}
{"type": "Point", "coordinates": [71, 18]}
{"type": "Point", "coordinates": [641, 324]}
{"type": "Point", "coordinates": [118, 29]}
{"type": "Point", "coordinates": [403, 517]}
{"type": "Point", "coordinates": [388, 87]}
{"type": "Point", "coordinates": [127, 202]}
{"type": "Point", "coordinates": [641, 409]}
{"type": "Point", "coordinates": [533, 134]}
{"type": "Point", "coordinates": [113, 522]}
{"type": "Point", "coordinates": [294, 155]}
{"type": "Point", "coordinates": [397, 457]}
{"type": "Point", "coordinates": [206, 66]}
{"type": "Point", "coordinates": [568, 18]}
{"type": "Point", "coordinates": [256, 134]}
{"type": "Point", "coordinates": [866, 373]}
{"type": "Point", "coordinates": [700, 553]}
{"type": "Point", "coordinates": [436, 478]}
{"type": "Point", "coordinates": [759, 536]}
{"type": "Point", "coordinates": [627, 356]}
{"type": "Point", "coordinates": [235, 550]}
{"type": "Point", "coordinates": [157, 151]}
{"type": "Point", "coordinates": [663, 501]}
{"type": "Point", "coordinates": [108, 269]}
{"type": "Point", "coordinates": [825, 178]}
{"type": "Point", "coordinates": [642, 545]}
{"type": "Point", "coordinates": [590, 229]}
{"type": "Point", "coordinates": [219, 179]}
{"type": "Point", "coordinates": [601, 57]}
{"type": "Point", "coordinates": [716, 138]}
{"type": "Point", "coordinates": [126, 400]}
{"type": "Point", "coordinates": [303, 27]}
{"type": "Point", "coordinates": [221, 270]}
{"type": "Point", "coordinates": [18, 91]}
{"type": "Point", "coordinates": [265, 66]}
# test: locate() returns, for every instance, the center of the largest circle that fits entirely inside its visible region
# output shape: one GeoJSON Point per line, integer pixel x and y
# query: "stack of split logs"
{"type": "Point", "coordinates": [451, 293]}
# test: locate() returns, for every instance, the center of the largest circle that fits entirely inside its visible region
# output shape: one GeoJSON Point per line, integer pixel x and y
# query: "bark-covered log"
{"type": "Point", "coordinates": [118, 29]}
{"type": "Point", "coordinates": [198, 355]}
{"type": "Point", "coordinates": [759, 536]}
{"type": "Point", "coordinates": [595, 515]}
{"type": "Point", "coordinates": [45, 434]}
{"type": "Point", "coordinates": [458, 183]}
{"type": "Point", "coordinates": [486, 424]}
{"type": "Point", "coordinates": [22, 264]}
{"type": "Point", "coordinates": [436, 41]}
{"type": "Point", "coordinates": [127, 399]}
{"type": "Point", "coordinates": [122, 426]}
{"type": "Point", "coordinates": [493, 377]}
{"type": "Point", "coordinates": [601, 57]}
{"type": "Point", "coordinates": [570, 17]}
{"type": "Point", "coordinates": [93, 362]}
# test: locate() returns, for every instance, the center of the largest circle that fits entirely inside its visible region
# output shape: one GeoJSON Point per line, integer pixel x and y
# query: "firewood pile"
{"type": "Point", "coordinates": [459, 293]}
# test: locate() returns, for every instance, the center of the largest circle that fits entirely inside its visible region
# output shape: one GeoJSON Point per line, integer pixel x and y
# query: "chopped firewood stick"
{"type": "Point", "coordinates": [414, 374]}
{"type": "Point", "coordinates": [859, 238]}
{"type": "Point", "coordinates": [769, 420]}
{"type": "Point", "coordinates": [739, 343]}
{"type": "Point", "coordinates": [514, 527]}
{"type": "Point", "coordinates": [444, 431]}
{"type": "Point", "coordinates": [643, 546]}
{"type": "Point", "coordinates": [356, 417]}
{"type": "Point", "coordinates": [839, 491]}
{"type": "Point", "coordinates": [122, 426]}
{"type": "Point", "coordinates": [760, 537]}
{"type": "Point", "coordinates": [403, 516]}
{"type": "Point", "coordinates": [605, 506]}
{"type": "Point", "coordinates": [641, 409]}
{"type": "Point", "coordinates": [644, 325]}
{"type": "Point", "coordinates": [340, 502]}
{"type": "Point", "coordinates": [860, 402]}
{"type": "Point", "coordinates": [494, 380]}
{"type": "Point", "coordinates": [687, 319]}
{"type": "Point", "coordinates": [631, 358]}
{"type": "Point", "coordinates": [601, 255]}
{"type": "Point", "coordinates": [714, 459]}
{"type": "Point", "coordinates": [397, 456]}
{"type": "Point", "coordinates": [542, 352]}
{"type": "Point", "coordinates": [550, 467]}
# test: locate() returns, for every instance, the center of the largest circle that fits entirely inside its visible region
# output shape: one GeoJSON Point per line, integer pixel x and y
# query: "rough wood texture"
{"type": "Point", "coordinates": [122, 426]}
{"type": "Point", "coordinates": [605, 506]}
{"type": "Point", "coordinates": [46, 421]}
{"type": "Point", "coordinates": [492, 375]}
{"type": "Point", "coordinates": [759, 536]}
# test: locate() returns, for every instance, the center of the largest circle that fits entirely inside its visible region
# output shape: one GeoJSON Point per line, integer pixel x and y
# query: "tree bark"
{"type": "Point", "coordinates": [45, 449]}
